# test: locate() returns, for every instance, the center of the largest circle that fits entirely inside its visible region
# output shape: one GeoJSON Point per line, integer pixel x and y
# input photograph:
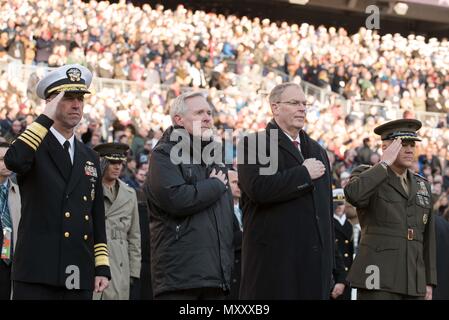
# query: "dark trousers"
{"type": "Point", "coordinates": [363, 294]}
{"type": "Point", "coordinates": [5, 281]}
{"type": "Point", "coordinates": [193, 294]}
{"type": "Point", "coordinates": [36, 291]}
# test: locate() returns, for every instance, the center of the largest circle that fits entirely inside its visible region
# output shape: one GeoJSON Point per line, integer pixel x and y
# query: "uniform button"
{"type": "Point", "coordinates": [346, 255]}
{"type": "Point", "coordinates": [85, 237]}
{"type": "Point", "coordinates": [346, 269]}
{"type": "Point", "coordinates": [66, 234]}
{"type": "Point", "coordinates": [86, 217]}
{"type": "Point", "coordinates": [236, 260]}
{"type": "Point", "coordinates": [67, 214]}
{"type": "Point", "coordinates": [346, 241]}
{"type": "Point", "coordinates": [336, 240]}
{"type": "Point", "coordinates": [84, 198]}
{"type": "Point", "coordinates": [234, 280]}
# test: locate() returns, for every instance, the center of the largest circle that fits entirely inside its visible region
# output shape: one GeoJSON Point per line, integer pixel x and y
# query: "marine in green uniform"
{"type": "Point", "coordinates": [396, 258]}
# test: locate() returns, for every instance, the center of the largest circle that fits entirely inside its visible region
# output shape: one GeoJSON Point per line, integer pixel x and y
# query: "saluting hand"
{"type": "Point", "coordinates": [50, 107]}
{"type": "Point", "coordinates": [315, 168]}
{"type": "Point", "coordinates": [391, 152]}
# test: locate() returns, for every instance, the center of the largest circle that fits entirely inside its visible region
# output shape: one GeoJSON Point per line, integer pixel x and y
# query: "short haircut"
{"type": "Point", "coordinates": [178, 105]}
{"type": "Point", "coordinates": [277, 91]}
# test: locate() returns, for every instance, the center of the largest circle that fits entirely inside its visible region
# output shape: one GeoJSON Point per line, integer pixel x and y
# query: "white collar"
{"type": "Point", "coordinates": [291, 139]}
{"type": "Point", "coordinates": [341, 219]}
{"type": "Point", "coordinates": [61, 138]}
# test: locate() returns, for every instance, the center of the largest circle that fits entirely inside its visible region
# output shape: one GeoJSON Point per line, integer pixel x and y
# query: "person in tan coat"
{"type": "Point", "coordinates": [397, 256]}
{"type": "Point", "coordinates": [122, 223]}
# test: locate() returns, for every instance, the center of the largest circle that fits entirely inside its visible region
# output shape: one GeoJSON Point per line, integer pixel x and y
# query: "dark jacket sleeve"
{"type": "Point", "coordinates": [20, 156]}
{"type": "Point", "coordinates": [280, 186]}
{"type": "Point", "coordinates": [173, 194]}
{"type": "Point", "coordinates": [363, 183]}
{"type": "Point", "coordinates": [98, 219]}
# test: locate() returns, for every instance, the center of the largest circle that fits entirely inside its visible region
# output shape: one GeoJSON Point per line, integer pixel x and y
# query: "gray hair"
{"type": "Point", "coordinates": [277, 91]}
{"type": "Point", "coordinates": [178, 105]}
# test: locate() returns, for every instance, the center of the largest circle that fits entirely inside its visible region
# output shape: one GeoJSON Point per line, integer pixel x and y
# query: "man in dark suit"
{"type": "Point", "coordinates": [238, 231]}
{"type": "Point", "coordinates": [288, 241]}
{"type": "Point", "coordinates": [396, 258]}
{"type": "Point", "coordinates": [61, 250]}
{"type": "Point", "coordinates": [343, 239]}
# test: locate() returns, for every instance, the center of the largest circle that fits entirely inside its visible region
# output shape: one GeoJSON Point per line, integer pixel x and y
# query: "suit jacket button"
{"type": "Point", "coordinates": [346, 269]}
{"type": "Point", "coordinates": [346, 255]}
{"type": "Point", "coordinates": [346, 241]}
{"type": "Point", "coordinates": [85, 237]}
{"type": "Point", "coordinates": [86, 217]}
{"type": "Point", "coordinates": [67, 214]}
{"type": "Point", "coordinates": [66, 234]}
{"type": "Point", "coordinates": [85, 198]}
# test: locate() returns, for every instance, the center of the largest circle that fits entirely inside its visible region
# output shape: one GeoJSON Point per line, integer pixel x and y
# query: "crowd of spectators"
{"type": "Point", "coordinates": [236, 61]}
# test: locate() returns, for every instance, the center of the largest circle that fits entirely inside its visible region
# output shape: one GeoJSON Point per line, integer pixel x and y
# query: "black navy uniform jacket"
{"type": "Point", "coordinates": [62, 227]}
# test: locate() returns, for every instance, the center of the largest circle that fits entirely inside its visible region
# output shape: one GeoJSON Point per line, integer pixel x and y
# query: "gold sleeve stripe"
{"type": "Point", "coordinates": [31, 138]}
{"type": "Point", "coordinates": [34, 135]}
{"type": "Point", "coordinates": [104, 252]}
{"type": "Point", "coordinates": [101, 261]}
{"type": "Point", "coordinates": [98, 245]}
{"type": "Point", "coordinates": [39, 129]}
{"type": "Point", "coordinates": [28, 142]}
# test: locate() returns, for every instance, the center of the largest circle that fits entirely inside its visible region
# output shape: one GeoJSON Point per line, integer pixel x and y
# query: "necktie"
{"type": "Point", "coordinates": [404, 183]}
{"type": "Point", "coordinates": [5, 215]}
{"type": "Point", "coordinates": [66, 148]}
{"type": "Point", "coordinates": [297, 146]}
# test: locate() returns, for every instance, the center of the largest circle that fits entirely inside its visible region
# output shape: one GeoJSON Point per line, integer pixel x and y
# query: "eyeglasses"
{"type": "Point", "coordinates": [296, 103]}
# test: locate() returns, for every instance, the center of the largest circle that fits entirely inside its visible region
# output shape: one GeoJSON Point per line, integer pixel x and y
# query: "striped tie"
{"type": "Point", "coordinates": [5, 216]}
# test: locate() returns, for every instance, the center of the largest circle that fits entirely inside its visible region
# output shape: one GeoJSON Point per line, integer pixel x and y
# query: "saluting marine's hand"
{"type": "Point", "coordinates": [391, 153]}
{"type": "Point", "coordinates": [50, 107]}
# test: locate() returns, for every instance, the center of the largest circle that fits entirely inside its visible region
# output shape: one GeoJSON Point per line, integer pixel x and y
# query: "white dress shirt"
{"type": "Point", "coordinates": [291, 139]}
{"type": "Point", "coordinates": [61, 140]}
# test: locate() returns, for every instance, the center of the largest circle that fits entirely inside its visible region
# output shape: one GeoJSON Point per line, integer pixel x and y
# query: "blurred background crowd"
{"type": "Point", "coordinates": [144, 56]}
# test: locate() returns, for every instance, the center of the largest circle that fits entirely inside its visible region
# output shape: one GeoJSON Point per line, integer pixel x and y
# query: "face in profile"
{"type": "Point", "coordinates": [406, 156]}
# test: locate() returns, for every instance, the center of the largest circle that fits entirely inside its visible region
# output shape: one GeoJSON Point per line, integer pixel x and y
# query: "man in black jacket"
{"type": "Point", "coordinates": [288, 241]}
{"type": "Point", "coordinates": [191, 209]}
{"type": "Point", "coordinates": [61, 250]}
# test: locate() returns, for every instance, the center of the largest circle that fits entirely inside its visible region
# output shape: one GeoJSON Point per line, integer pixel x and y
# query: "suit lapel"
{"type": "Point", "coordinates": [79, 161]}
{"type": "Point", "coordinates": [56, 152]}
{"type": "Point", "coordinates": [395, 182]}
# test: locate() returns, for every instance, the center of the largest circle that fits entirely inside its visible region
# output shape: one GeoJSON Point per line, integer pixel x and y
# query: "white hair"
{"type": "Point", "coordinates": [179, 106]}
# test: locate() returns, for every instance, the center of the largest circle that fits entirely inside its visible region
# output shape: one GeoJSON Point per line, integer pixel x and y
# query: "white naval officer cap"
{"type": "Point", "coordinates": [68, 78]}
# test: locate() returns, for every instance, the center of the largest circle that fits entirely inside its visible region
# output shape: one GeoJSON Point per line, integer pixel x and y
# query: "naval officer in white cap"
{"type": "Point", "coordinates": [61, 250]}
